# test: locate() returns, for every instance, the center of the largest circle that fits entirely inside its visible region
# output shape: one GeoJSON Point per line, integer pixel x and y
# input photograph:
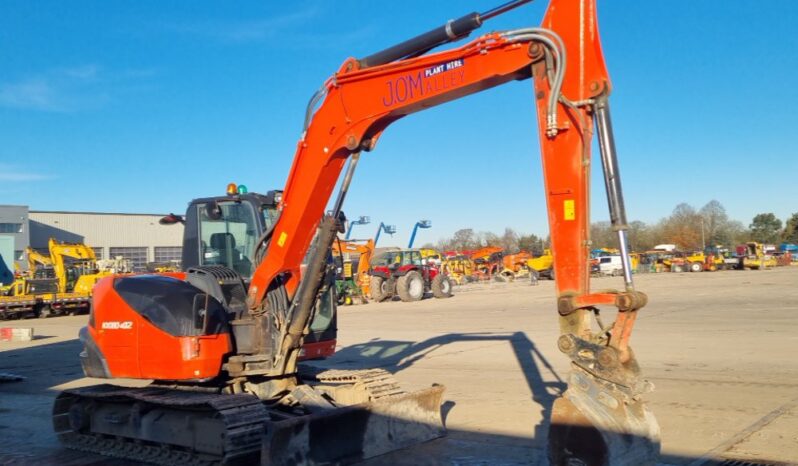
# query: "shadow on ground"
{"type": "Point", "coordinates": [43, 366]}
{"type": "Point", "coordinates": [396, 356]}
{"type": "Point", "coordinates": [46, 366]}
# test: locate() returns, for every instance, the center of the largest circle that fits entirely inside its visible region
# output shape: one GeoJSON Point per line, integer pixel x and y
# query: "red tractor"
{"type": "Point", "coordinates": [404, 273]}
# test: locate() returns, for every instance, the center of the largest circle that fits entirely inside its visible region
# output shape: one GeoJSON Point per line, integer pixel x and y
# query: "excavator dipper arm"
{"type": "Point", "coordinates": [601, 416]}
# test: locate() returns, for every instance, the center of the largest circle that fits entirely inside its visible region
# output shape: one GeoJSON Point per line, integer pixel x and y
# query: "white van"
{"type": "Point", "coordinates": [665, 247]}
{"type": "Point", "coordinates": [610, 265]}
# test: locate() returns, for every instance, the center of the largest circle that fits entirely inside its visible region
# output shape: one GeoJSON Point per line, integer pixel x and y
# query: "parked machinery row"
{"type": "Point", "coordinates": [60, 282]}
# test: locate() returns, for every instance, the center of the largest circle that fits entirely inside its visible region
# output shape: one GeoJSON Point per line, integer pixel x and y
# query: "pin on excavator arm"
{"type": "Point", "coordinates": [571, 83]}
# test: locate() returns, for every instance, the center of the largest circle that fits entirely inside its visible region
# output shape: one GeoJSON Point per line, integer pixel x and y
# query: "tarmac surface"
{"type": "Point", "coordinates": [719, 347]}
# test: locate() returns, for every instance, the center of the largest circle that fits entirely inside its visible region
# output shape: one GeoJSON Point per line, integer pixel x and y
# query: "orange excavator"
{"type": "Point", "coordinates": [487, 262]}
{"type": "Point", "coordinates": [352, 286]}
{"type": "Point", "coordinates": [226, 384]}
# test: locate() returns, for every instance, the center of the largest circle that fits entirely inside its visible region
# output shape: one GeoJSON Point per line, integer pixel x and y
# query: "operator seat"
{"type": "Point", "coordinates": [225, 244]}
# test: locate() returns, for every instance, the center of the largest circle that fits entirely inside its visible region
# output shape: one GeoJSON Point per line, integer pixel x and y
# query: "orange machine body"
{"type": "Point", "coordinates": [517, 261]}
{"type": "Point", "coordinates": [133, 347]}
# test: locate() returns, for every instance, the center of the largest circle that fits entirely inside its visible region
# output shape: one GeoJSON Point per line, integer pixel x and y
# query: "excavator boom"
{"type": "Point", "coordinates": [564, 59]}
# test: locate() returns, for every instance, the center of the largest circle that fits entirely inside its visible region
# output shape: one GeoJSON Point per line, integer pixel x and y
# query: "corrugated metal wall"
{"type": "Point", "coordinates": [15, 215]}
{"type": "Point", "coordinates": [100, 230]}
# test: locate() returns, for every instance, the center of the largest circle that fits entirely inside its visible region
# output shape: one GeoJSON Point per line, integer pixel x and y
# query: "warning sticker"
{"type": "Point", "coordinates": [569, 209]}
{"type": "Point", "coordinates": [282, 238]}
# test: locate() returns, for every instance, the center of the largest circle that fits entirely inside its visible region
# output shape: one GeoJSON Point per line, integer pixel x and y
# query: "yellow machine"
{"type": "Point", "coordinates": [755, 257]}
{"type": "Point", "coordinates": [634, 259]}
{"type": "Point", "coordinates": [35, 259]}
{"type": "Point", "coordinates": [15, 288]}
{"type": "Point", "coordinates": [695, 261]}
{"type": "Point", "coordinates": [432, 255]}
{"type": "Point", "coordinates": [75, 267]}
{"type": "Point", "coordinates": [460, 268]}
{"type": "Point", "coordinates": [20, 286]}
{"type": "Point", "coordinates": [353, 286]}
{"type": "Point", "coordinates": [59, 284]}
{"type": "Point", "coordinates": [543, 264]}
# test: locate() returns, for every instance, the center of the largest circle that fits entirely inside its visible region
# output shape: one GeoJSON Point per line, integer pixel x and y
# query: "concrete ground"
{"type": "Point", "coordinates": [718, 346]}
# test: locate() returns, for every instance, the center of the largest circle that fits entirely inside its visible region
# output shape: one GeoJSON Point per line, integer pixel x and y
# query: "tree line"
{"type": "Point", "coordinates": [687, 227]}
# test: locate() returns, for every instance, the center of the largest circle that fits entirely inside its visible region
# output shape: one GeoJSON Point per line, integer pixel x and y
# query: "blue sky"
{"type": "Point", "coordinates": [141, 106]}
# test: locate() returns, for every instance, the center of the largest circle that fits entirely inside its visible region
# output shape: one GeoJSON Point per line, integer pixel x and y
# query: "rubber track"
{"type": "Point", "coordinates": [243, 415]}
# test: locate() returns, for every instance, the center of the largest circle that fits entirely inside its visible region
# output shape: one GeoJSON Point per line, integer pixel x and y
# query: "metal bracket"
{"type": "Point", "coordinates": [603, 362]}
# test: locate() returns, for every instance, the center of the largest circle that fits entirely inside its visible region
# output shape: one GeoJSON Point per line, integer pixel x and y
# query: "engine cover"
{"type": "Point", "coordinates": [145, 327]}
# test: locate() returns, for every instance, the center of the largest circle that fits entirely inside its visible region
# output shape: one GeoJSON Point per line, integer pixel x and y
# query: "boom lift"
{"type": "Point", "coordinates": [390, 229]}
{"type": "Point", "coordinates": [225, 364]}
{"type": "Point", "coordinates": [362, 220]}
{"type": "Point", "coordinates": [419, 224]}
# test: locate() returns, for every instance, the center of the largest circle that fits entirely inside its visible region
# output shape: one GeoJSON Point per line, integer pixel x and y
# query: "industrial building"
{"type": "Point", "coordinates": [13, 238]}
{"type": "Point", "coordinates": [136, 237]}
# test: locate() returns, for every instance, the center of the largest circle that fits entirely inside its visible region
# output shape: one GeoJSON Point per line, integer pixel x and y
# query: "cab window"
{"type": "Point", "coordinates": [230, 239]}
{"type": "Point", "coordinates": [270, 215]}
{"type": "Point", "coordinates": [325, 308]}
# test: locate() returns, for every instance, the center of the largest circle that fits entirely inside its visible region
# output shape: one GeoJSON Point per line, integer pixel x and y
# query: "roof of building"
{"type": "Point", "coordinates": [93, 213]}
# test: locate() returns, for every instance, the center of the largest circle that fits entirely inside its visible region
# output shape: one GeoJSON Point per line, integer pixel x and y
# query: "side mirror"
{"type": "Point", "coordinates": [171, 219]}
{"type": "Point", "coordinates": [213, 211]}
{"type": "Point", "coordinates": [199, 310]}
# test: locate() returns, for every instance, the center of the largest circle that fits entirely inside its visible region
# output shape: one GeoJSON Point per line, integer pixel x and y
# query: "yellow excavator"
{"type": "Point", "coordinates": [35, 259]}
{"type": "Point", "coordinates": [56, 284]}
{"type": "Point", "coordinates": [75, 266]}
{"type": "Point", "coordinates": [21, 283]}
{"type": "Point", "coordinates": [60, 283]}
{"type": "Point", "coordinates": [755, 257]}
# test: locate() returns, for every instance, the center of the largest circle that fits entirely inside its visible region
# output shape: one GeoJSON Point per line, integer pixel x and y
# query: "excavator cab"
{"type": "Point", "coordinates": [225, 230]}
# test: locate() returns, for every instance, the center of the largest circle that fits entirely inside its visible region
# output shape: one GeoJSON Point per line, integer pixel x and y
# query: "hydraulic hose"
{"type": "Point", "coordinates": [555, 45]}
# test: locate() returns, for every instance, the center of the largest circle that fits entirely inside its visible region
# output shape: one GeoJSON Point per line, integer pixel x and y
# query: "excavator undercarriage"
{"type": "Point", "coordinates": [333, 416]}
